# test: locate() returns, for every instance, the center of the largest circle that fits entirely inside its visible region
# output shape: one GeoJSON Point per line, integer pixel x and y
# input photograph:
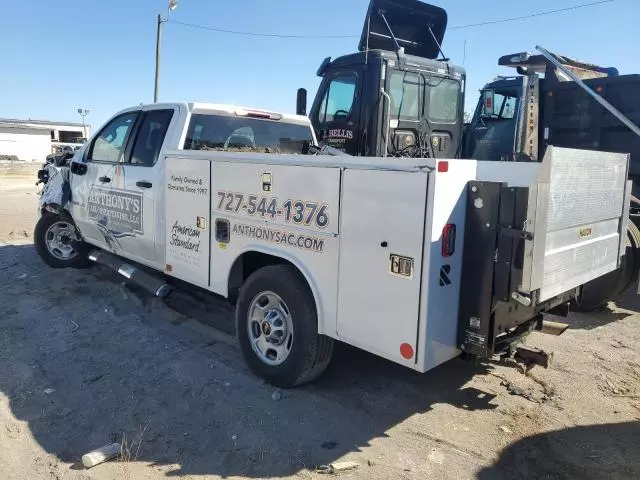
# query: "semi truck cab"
{"type": "Point", "coordinates": [397, 96]}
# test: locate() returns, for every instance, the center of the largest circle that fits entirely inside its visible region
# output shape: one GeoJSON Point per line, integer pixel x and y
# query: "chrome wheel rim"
{"type": "Point", "coordinates": [270, 328]}
{"type": "Point", "coordinates": [58, 238]}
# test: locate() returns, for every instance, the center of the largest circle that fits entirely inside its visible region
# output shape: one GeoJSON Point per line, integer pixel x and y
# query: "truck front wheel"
{"type": "Point", "coordinates": [56, 240]}
{"type": "Point", "coordinates": [277, 328]}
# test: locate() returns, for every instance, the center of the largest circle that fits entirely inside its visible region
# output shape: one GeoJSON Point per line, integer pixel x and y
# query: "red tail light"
{"type": "Point", "coordinates": [448, 240]}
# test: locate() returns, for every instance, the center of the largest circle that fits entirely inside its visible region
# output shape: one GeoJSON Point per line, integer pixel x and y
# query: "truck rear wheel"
{"type": "Point", "coordinates": [598, 292]}
{"type": "Point", "coordinates": [56, 240]}
{"type": "Point", "coordinates": [277, 328]}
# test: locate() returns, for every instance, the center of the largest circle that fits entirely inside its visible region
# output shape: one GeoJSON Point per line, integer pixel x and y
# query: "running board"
{"type": "Point", "coordinates": [150, 283]}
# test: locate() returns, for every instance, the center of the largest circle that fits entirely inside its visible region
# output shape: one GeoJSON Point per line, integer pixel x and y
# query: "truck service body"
{"type": "Point", "coordinates": [378, 244]}
{"type": "Point", "coordinates": [411, 253]}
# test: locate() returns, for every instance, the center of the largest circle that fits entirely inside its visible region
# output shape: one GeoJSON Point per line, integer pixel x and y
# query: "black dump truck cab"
{"type": "Point", "coordinates": [394, 97]}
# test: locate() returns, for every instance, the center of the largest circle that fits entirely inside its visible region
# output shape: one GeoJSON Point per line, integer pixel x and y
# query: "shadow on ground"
{"type": "Point", "coordinates": [627, 304]}
{"type": "Point", "coordinates": [82, 362]}
{"type": "Point", "coordinates": [609, 451]}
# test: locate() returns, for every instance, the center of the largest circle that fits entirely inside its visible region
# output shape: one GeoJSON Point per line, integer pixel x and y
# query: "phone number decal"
{"type": "Point", "coordinates": [300, 212]}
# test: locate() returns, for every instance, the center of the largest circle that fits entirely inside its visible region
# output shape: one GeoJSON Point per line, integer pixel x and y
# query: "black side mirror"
{"type": "Point", "coordinates": [301, 102]}
{"type": "Point", "coordinates": [78, 168]}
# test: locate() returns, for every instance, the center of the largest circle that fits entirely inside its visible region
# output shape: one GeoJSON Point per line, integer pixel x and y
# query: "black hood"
{"type": "Point", "coordinates": [409, 21]}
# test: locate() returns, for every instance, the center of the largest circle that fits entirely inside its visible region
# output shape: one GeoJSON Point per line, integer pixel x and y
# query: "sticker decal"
{"type": "Point", "coordinates": [300, 212]}
{"type": "Point", "coordinates": [296, 240]}
{"type": "Point", "coordinates": [116, 213]}
{"type": "Point", "coordinates": [445, 270]}
{"type": "Point", "coordinates": [119, 210]}
{"type": "Point", "coordinates": [585, 232]}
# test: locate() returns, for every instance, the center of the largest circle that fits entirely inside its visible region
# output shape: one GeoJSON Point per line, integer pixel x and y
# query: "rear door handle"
{"type": "Point", "coordinates": [144, 184]}
{"type": "Point", "coordinates": [104, 179]}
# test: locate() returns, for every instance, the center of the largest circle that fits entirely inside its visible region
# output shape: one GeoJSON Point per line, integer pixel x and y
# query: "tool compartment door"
{"type": "Point", "coordinates": [578, 216]}
{"type": "Point", "coordinates": [380, 266]}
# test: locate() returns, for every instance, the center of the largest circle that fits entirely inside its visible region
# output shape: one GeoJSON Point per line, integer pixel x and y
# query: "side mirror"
{"type": "Point", "coordinates": [78, 168]}
{"type": "Point", "coordinates": [301, 102]}
{"type": "Point", "coordinates": [487, 103]}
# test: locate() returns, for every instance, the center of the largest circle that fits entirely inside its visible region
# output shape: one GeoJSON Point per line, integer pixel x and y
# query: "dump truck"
{"type": "Point", "coordinates": [399, 96]}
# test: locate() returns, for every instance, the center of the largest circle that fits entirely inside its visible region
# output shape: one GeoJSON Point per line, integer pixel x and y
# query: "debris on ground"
{"type": "Point", "coordinates": [101, 455]}
{"type": "Point", "coordinates": [277, 395]}
{"type": "Point", "coordinates": [336, 467]}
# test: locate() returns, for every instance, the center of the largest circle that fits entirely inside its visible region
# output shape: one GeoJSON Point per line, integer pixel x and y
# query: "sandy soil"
{"type": "Point", "coordinates": [84, 360]}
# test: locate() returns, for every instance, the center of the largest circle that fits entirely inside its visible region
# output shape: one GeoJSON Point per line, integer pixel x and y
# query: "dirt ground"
{"type": "Point", "coordinates": [85, 360]}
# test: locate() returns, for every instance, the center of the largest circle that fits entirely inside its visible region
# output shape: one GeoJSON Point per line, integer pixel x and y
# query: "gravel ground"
{"type": "Point", "coordinates": [84, 360]}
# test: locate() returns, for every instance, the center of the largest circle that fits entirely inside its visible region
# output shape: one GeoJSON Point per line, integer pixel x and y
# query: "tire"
{"type": "Point", "coordinates": [62, 228]}
{"type": "Point", "coordinates": [596, 293]}
{"type": "Point", "coordinates": [269, 294]}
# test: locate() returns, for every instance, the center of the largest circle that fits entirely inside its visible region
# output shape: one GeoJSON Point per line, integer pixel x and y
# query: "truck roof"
{"type": "Point", "coordinates": [231, 110]}
{"type": "Point", "coordinates": [435, 66]}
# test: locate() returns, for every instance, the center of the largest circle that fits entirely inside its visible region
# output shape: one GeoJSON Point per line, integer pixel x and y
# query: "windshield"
{"type": "Point", "coordinates": [444, 95]}
{"type": "Point", "coordinates": [243, 134]}
{"type": "Point", "coordinates": [407, 92]}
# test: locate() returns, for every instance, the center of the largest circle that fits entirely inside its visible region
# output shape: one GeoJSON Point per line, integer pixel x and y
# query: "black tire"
{"type": "Point", "coordinates": [596, 293]}
{"type": "Point", "coordinates": [310, 352]}
{"type": "Point", "coordinates": [47, 220]}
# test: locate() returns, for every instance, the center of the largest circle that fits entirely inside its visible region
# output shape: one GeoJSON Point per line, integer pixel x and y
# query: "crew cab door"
{"type": "Point", "coordinates": [336, 111]}
{"type": "Point", "coordinates": [92, 185]}
{"type": "Point", "coordinates": [115, 202]}
{"type": "Point", "coordinates": [140, 180]}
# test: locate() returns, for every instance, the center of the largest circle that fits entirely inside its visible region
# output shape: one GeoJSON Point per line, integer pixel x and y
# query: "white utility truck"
{"type": "Point", "coordinates": [414, 259]}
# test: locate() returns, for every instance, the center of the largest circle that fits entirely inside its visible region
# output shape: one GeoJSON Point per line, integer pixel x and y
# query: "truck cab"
{"type": "Point", "coordinates": [397, 96]}
{"type": "Point", "coordinates": [117, 176]}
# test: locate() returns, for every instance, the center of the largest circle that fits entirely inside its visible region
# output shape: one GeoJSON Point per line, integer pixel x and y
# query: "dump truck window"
{"type": "Point", "coordinates": [213, 132]}
{"type": "Point", "coordinates": [405, 90]}
{"type": "Point", "coordinates": [339, 98]}
{"type": "Point", "coordinates": [504, 107]}
{"type": "Point", "coordinates": [444, 97]}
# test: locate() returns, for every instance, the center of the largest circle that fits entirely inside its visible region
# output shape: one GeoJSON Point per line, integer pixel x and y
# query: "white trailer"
{"type": "Point", "coordinates": [414, 260]}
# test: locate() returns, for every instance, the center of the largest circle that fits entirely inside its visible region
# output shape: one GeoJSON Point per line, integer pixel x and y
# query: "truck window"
{"type": "Point", "coordinates": [339, 98]}
{"type": "Point", "coordinates": [405, 90]}
{"type": "Point", "coordinates": [444, 95]}
{"type": "Point", "coordinates": [110, 143]}
{"type": "Point", "coordinates": [150, 137]}
{"type": "Point", "coordinates": [504, 107]}
{"type": "Point", "coordinates": [244, 134]}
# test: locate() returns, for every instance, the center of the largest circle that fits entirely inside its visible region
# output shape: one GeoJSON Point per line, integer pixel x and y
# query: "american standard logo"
{"type": "Point", "coordinates": [305, 242]}
{"type": "Point", "coordinates": [117, 210]}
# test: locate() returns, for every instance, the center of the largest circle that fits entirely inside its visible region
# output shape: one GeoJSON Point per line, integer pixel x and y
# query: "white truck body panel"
{"type": "Point", "coordinates": [366, 234]}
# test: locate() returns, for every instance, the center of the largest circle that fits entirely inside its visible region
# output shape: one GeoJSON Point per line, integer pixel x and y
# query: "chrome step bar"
{"type": "Point", "coordinates": [154, 285]}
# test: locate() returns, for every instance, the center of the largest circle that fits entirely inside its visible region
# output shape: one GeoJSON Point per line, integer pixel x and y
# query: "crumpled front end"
{"type": "Point", "coordinates": [56, 192]}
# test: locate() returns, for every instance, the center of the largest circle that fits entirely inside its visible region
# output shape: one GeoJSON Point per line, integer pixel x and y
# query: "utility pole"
{"type": "Point", "coordinates": [172, 6]}
{"type": "Point", "coordinates": [83, 112]}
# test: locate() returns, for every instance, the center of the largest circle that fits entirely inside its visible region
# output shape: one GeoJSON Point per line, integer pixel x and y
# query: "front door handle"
{"type": "Point", "coordinates": [104, 179]}
{"type": "Point", "coordinates": [144, 184]}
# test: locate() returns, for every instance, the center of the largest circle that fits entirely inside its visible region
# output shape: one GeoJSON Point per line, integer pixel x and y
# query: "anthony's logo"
{"type": "Point", "coordinates": [120, 210]}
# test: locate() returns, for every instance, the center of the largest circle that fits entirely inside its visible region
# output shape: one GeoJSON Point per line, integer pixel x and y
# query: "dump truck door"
{"type": "Point", "coordinates": [336, 112]}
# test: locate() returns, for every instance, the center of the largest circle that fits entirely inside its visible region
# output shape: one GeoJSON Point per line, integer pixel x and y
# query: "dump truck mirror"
{"type": "Point", "coordinates": [301, 102]}
{"type": "Point", "coordinates": [487, 102]}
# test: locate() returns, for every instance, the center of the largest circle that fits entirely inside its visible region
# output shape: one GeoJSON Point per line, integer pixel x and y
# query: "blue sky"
{"type": "Point", "coordinates": [61, 55]}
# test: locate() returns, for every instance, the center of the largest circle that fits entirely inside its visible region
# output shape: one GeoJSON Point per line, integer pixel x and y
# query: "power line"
{"type": "Point", "coordinates": [456, 27]}
{"type": "Point", "coordinates": [531, 15]}
{"type": "Point", "coordinates": [256, 34]}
